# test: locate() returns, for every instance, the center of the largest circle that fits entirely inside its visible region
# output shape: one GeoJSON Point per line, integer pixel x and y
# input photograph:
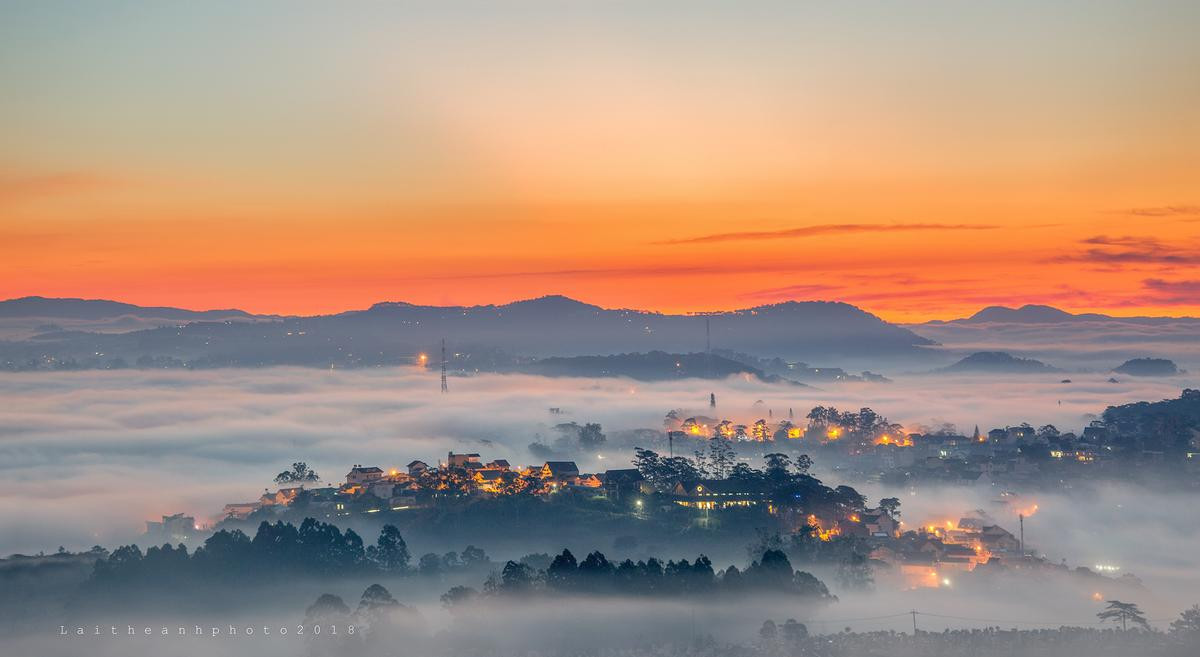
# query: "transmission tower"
{"type": "Point", "coordinates": [445, 388]}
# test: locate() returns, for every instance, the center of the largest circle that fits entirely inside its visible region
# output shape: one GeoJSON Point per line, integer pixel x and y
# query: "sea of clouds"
{"type": "Point", "coordinates": [87, 457]}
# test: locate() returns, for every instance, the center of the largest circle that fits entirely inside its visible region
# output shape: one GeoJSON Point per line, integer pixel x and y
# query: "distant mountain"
{"type": "Point", "coordinates": [29, 316]}
{"type": "Point", "coordinates": [393, 332]}
{"type": "Point", "coordinates": [999, 362]}
{"type": "Point", "coordinates": [652, 366]}
{"type": "Point", "coordinates": [1148, 367]}
{"type": "Point", "coordinates": [93, 309]}
{"type": "Point", "coordinates": [1040, 314]}
{"type": "Point", "coordinates": [1078, 341]}
{"type": "Point", "coordinates": [1029, 313]}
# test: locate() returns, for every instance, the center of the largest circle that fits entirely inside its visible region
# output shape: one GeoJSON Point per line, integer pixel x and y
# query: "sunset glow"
{"type": "Point", "coordinates": [686, 157]}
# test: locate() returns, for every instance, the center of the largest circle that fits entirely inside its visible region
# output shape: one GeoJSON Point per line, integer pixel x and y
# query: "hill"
{"type": "Point", "coordinates": [93, 309]}
{"type": "Point", "coordinates": [1148, 367]}
{"type": "Point", "coordinates": [28, 316]}
{"type": "Point", "coordinates": [999, 362]}
{"type": "Point", "coordinates": [1169, 426]}
{"type": "Point", "coordinates": [1042, 314]}
{"type": "Point", "coordinates": [393, 332]}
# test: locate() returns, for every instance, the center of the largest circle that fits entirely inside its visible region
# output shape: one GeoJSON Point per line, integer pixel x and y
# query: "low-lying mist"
{"type": "Point", "coordinates": [86, 457]}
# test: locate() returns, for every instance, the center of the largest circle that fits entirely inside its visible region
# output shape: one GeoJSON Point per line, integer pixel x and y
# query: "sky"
{"type": "Point", "coordinates": [920, 160]}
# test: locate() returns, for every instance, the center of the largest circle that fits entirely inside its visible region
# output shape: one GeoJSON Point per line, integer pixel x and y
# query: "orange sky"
{"type": "Point", "coordinates": [676, 159]}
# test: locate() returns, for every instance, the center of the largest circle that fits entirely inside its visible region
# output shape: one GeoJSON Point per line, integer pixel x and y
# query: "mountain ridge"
{"type": "Point", "coordinates": [552, 325]}
{"type": "Point", "coordinates": [1031, 313]}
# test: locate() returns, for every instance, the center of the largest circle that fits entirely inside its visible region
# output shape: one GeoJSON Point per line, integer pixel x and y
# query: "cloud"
{"type": "Point", "coordinates": [822, 229]}
{"type": "Point", "coordinates": [1174, 292]}
{"type": "Point", "coordinates": [1164, 211]}
{"type": "Point", "coordinates": [85, 457]}
{"type": "Point", "coordinates": [1130, 249]}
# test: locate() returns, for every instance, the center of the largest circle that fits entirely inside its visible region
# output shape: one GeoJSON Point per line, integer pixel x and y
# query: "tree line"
{"type": "Point", "coordinates": [784, 478]}
{"type": "Point", "coordinates": [596, 575]}
{"type": "Point", "coordinates": [279, 548]}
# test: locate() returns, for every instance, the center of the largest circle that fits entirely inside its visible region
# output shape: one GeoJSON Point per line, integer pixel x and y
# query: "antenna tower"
{"type": "Point", "coordinates": [445, 388]}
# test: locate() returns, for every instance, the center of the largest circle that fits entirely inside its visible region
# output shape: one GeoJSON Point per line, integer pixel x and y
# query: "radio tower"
{"type": "Point", "coordinates": [445, 388]}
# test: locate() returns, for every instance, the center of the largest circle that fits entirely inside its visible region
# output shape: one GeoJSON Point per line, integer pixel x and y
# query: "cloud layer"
{"type": "Point", "coordinates": [87, 457]}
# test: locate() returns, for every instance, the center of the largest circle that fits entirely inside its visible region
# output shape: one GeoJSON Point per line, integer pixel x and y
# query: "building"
{"type": "Point", "coordinates": [281, 497]}
{"type": "Point", "coordinates": [416, 468]}
{"type": "Point", "coordinates": [360, 475]}
{"type": "Point", "coordinates": [878, 523]}
{"type": "Point", "coordinates": [998, 539]}
{"type": "Point", "coordinates": [619, 484]}
{"type": "Point", "coordinates": [176, 528]}
{"type": "Point", "coordinates": [586, 481]}
{"type": "Point", "coordinates": [491, 480]}
{"type": "Point", "coordinates": [383, 489]}
{"type": "Point", "coordinates": [715, 494]}
{"type": "Point", "coordinates": [468, 461]}
{"type": "Point", "coordinates": [559, 472]}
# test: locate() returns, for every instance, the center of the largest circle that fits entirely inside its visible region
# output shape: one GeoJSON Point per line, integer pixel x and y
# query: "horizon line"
{"type": "Point", "coordinates": [696, 313]}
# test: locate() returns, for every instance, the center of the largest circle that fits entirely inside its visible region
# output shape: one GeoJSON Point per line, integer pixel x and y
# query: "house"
{"type": "Point", "coordinates": [282, 497]}
{"type": "Point", "coordinates": [585, 481]}
{"type": "Point", "coordinates": [416, 468]}
{"type": "Point", "coordinates": [878, 523]}
{"type": "Point", "coordinates": [491, 481]}
{"type": "Point", "coordinates": [998, 539]}
{"type": "Point", "coordinates": [498, 464]}
{"type": "Point", "coordinates": [319, 498]}
{"type": "Point", "coordinates": [384, 490]}
{"type": "Point", "coordinates": [970, 524]}
{"type": "Point", "coordinates": [1021, 433]}
{"type": "Point", "coordinates": [961, 555]}
{"type": "Point", "coordinates": [716, 494]}
{"type": "Point", "coordinates": [559, 472]}
{"type": "Point", "coordinates": [363, 475]}
{"type": "Point", "coordinates": [467, 461]}
{"type": "Point", "coordinates": [619, 483]}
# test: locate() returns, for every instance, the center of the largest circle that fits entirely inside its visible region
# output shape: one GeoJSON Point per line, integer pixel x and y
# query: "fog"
{"type": "Point", "coordinates": [87, 457]}
{"type": "Point", "coordinates": [1088, 344]}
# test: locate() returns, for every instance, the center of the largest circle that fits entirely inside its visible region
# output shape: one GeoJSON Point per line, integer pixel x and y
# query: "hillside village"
{"type": "Point", "coordinates": [829, 524]}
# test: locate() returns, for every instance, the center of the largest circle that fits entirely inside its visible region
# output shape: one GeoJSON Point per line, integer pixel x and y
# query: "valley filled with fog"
{"type": "Point", "coordinates": [88, 457]}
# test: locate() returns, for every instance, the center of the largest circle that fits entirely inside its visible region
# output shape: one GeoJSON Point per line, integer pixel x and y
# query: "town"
{"type": "Point", "coordinates": [1151, 439]}
{"type": "Point", "coordinates": [835, 526]}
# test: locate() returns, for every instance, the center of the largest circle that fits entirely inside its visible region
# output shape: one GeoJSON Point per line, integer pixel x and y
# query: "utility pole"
{"type": "Point", "coordinates": [914, 615]}
{"type": "Point", "coordinates": [445, 387]}
{"type": "Point", "coordinates": [671, 443]}
{"type": "Point", "coordinates": [1021, 519]}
